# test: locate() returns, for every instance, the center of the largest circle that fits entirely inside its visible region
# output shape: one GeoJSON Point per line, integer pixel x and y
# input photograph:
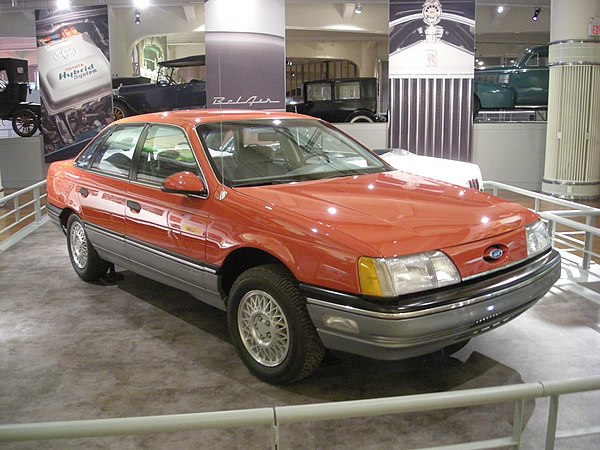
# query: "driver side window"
{"type": "Point", "coordinates": [165, 151]}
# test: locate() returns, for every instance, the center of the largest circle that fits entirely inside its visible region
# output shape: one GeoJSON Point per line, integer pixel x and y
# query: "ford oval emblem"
{"type": "Point", "coordinates": [496, 253]}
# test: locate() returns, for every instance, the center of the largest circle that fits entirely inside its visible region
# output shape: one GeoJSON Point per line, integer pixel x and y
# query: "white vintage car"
{"type": "Point", "coordinates": [455, 172]}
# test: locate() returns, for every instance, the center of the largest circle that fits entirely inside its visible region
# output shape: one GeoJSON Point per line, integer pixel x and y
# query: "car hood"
{"type": "Point", "coordinates": [395, 213]}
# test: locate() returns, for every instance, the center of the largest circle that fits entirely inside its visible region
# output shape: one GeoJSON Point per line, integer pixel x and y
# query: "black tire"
{"type": "Point", "coordinates": [84, 258]}
{"type": "Point", "coordinates": [120, 110]}
{"type": "Point", "coordinates": [361, 116]}
{"type": "Point", "coordinates": [280, 344]}
{"type": "Point", "coordinates": [25, 122]}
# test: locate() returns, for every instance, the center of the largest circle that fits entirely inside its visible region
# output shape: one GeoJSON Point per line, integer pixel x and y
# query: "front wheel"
{"type": "Point", "coordinates": [25, 122]}
{"type": "Point", "coordinates": [84, 258]}
{"type": "Point", "coordinates": [270, 326]}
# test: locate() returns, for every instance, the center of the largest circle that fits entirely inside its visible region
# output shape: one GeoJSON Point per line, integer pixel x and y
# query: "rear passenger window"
{"type": "Point", "coordinates": [318, 92]}
{"type": "Point", "coordinates": [83, 160]}
{"type": "Point", "coordinates": [347, 90]}
{"type": "Point", "coordinates": [166, 151]}
{"type": "Point", "coordinates": [115, 155]}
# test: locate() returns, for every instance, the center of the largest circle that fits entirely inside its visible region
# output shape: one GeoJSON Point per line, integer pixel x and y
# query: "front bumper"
{"type": "Point", "coordinates": [429, 322]}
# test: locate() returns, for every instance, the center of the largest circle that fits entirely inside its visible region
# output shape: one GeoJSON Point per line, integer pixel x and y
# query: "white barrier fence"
{"type": "Point", "coordinates": [278, 416]}
{"type": "Point", "coordinates": [577, 236]}
{"type": "Point", "coordinates": [13, 211]}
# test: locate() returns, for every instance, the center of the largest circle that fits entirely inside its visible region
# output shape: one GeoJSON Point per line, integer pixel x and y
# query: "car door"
{"type": "Point", "coordinates": [102, 188]}
{"type": "Point", "coordinates": [166, 232]}
{"type": "Point", "coordinates": [531, 82]}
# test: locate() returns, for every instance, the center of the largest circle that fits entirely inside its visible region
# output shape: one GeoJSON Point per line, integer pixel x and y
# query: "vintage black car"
{"type": "Point", "coordinates": [14, 86]}
{"type": "Point", "coordinates": [338, 100]}
{"type": "Point", "coordinates": [164, 95]}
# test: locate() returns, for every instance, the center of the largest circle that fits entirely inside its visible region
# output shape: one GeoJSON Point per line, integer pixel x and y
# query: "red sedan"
{"type": "Point", "coordinates": [306, 238]}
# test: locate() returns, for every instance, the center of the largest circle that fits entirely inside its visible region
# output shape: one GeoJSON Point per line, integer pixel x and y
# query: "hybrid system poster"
{"type": "Point", "coordinates": [75, 77]}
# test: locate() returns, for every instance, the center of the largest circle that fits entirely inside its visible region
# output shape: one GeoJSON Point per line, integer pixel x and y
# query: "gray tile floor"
{"type": "Point", "coordinates": [72, 350]}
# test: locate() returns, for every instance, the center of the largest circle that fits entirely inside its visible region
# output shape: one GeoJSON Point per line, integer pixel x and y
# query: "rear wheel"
{"type": "Point", "coordinates": [84, 258]}
{"type": "Point", "coordinates": [361, 116]}
{"type": "Point", "coordinates": [25, 122]}
{"type": "Point", "coordinates": [270, 326]}
{"type": "Point", "coordinates": [120, 110]}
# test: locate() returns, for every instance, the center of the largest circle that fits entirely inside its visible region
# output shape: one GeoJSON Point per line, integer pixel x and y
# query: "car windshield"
{"type": "Point", "coordinates": [276, 151]}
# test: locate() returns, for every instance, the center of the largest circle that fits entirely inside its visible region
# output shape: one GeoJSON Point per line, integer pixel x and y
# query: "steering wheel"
{"type": "Point", "coordinates": [312, 155]}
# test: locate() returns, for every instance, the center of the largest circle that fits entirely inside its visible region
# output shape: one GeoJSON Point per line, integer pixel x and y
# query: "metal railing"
{"type": "Point", "coordinates": [512, 115]}
{"type": "Point", "coordinates": [18, 215]}
{"type": "Point", "coordinates": [576, 237]}
{"type": "Point", "coordinates": [275, 417]}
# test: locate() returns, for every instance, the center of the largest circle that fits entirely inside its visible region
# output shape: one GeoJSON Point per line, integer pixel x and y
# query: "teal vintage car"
{"type": "Point", "coordinates": [522, 85]}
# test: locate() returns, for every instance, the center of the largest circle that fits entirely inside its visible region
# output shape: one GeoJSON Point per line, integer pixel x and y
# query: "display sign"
{"type": "Point", "coordinates": [75, 79]}
{"type": "Point", "coordinates": [431, 67]}
{"type": "Point", "coordinates": [245, 54]}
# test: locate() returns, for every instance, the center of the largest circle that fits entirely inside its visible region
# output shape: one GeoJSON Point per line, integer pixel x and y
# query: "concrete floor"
{"type": "Point", "coordinates": [72, 350]}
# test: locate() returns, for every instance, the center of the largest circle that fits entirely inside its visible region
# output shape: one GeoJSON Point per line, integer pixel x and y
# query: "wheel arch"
{"type": "Point", "coordinates": [241, 260]}
{"type": "Point", "coordinates": [361, 112]}
{"type": "Point", "coordinates": [63, 218]}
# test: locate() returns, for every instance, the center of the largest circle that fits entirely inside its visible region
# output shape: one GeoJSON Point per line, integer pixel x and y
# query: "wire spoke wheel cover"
{"type": "Point", "coordinates": [84, 257]}
{"type": "Point", "coordinates": [270, 326]}
{"type": "Point", "coordinates": [263, 328]}
{"type": "Point", "coordinates": [79, 245]}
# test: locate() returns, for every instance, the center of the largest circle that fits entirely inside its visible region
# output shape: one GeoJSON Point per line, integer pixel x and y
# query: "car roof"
{"type": "Point", "coordinates": [198, 116]}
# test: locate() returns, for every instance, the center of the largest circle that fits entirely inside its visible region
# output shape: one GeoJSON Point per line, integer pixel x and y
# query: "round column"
{"type": "Point", "coordinates": [572, 166]}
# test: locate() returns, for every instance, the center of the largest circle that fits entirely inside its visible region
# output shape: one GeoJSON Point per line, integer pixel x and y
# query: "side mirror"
{"type": "Point", "coordinates": [185, 183]}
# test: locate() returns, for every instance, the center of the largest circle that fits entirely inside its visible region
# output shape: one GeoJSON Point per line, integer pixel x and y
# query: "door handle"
{"type": "Point", "coordinates": [84, 192]}
{"type": "Point", "coordinates": [134, 206]}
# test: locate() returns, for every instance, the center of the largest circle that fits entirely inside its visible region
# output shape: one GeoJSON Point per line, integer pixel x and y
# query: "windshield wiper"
{"type": "Point", "coordinates": [265, 182]}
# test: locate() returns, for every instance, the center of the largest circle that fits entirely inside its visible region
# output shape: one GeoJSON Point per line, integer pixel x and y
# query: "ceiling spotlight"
{"type": "Point", "coordinates": [137, 17]}
{"type": "Point", "coordinates": [500, 9]}
{"type": "Point", "coordinates": [536, 14]}
{"type": "Point", "coordinates": [141, 4]}
{"type": "Point", "coordinates": [358, 8]}
{"type": "Point", "coordinates": [63, 4]}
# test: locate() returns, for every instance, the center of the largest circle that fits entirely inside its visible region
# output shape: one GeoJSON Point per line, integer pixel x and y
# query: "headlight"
{"type": "Point", "coordinates": [538, 239]}
{"type": "Point", "coordinates": [390, 277]}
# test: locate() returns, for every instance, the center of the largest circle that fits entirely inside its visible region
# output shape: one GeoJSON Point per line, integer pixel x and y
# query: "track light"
{"type": "Point", "coordinates": [137, 17]}
{"type": "Point", "coordinates": [358, 8]}
{"type": "Point", "coordinates": [63, 4]}
{"type": "Point", "coordinates": [536, 14]}
{"type": "Point", "coordinates": [500, 9]}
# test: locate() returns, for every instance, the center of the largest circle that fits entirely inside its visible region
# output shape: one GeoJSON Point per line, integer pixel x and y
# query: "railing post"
{"type": "Point", "coordinates": [588, 244]}
{"type": "Point", "coordinates": [275, 432]}
{"type": "Point", "coordinates": [536, 204]}
{"type": "Point", "coordinates": [17, 210]}
{"type": "Point", "coordinates": [518, 423]}
{"type": "Point", "coordinates": [37, 206]}
{"type": "Point", "coordinates": [552, 229]}
{"type": "Point", "coordinates": [552, 420]}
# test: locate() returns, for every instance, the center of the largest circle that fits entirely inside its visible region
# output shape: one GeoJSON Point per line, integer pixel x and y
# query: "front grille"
{"type": "Point", "coordinates": [474, 184]}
